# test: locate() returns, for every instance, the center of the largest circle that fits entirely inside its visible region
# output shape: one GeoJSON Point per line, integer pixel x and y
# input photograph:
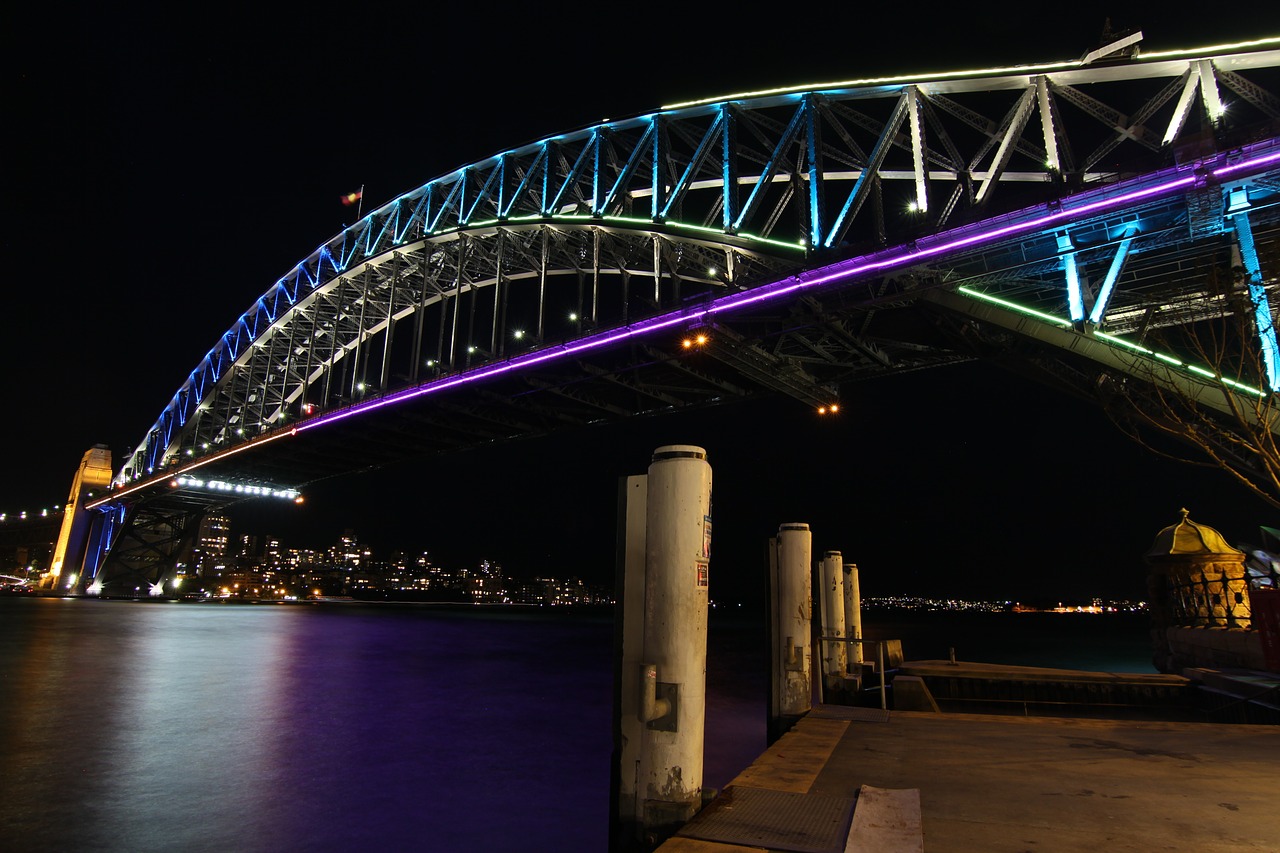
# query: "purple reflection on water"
{"type": "Point", "coordinates": [147, 726]}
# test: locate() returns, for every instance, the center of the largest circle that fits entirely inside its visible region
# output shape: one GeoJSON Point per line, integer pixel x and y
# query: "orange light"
{"type": "Point", "coordinates": [822, 410]}
{"type": "Point", "coordinates": [687, 343]}
{"type": "Point", "coordinates": [701, 339]}
{"type": "Point", "coordinates": [834, 408]}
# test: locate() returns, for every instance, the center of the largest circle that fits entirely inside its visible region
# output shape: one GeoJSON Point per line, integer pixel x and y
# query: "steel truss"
{"type": "Point", "coordinates": [627, 219]}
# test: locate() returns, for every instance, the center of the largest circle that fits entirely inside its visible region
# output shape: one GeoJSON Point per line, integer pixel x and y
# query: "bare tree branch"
{"type": "Point", "coordinates": [1226, 415]}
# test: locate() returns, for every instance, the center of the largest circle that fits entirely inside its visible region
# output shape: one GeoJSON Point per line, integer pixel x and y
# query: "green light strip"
{"type": "Point", "coordinates": [1130, 345]}
{"type": "Point", "coordinates": [623, 220]}
{"type": "Point", "coordinates": [1013, 306]}
{"type": "Point", "coordinates": [1113, 340]}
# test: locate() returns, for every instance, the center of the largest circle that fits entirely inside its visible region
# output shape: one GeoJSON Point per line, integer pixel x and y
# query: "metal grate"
{"type": "Point", "coordinates": [778, 820]}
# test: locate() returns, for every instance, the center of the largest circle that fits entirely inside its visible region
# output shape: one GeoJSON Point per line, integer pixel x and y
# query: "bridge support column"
{"type": "Point", "coordinates": [65, 568]}
{"type": "Point", "coordinates": [660, 681]}
{"type": "Point", "coordinates": [791, 614]}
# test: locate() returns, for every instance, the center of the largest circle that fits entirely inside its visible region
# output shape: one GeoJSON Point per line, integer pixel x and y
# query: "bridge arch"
{"type": "Point", "coordinates": [697, 196]}
{"type": "Point", "coordinates": [685, 216]}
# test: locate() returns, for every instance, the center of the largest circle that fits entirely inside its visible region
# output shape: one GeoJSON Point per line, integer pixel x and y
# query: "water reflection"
{"type": "Point", "coordinates": [161, 726]}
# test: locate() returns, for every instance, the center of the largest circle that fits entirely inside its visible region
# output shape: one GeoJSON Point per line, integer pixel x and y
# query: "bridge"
{"type": "Point", "coordinates": [1069, 218]}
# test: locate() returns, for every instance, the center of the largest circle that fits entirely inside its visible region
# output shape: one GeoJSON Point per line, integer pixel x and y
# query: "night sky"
{"type": "Point", "coordinates": [164, 172]}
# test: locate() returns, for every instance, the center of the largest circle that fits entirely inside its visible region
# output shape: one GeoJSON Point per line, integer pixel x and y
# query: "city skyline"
{"type": "Point", "coordinates": [225, 564]}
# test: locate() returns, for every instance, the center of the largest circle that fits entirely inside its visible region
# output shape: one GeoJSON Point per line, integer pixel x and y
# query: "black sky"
{"type": "Point", "coordinates": [165, 169]}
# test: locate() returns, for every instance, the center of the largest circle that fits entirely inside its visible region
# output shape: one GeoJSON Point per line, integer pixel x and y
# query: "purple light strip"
{"type": "Point", "coordinates": [1247, 164]}
{"type": "Point", "coordinates": [562, 351]}
{"type": "Point", "coordinates": [1168, 181]}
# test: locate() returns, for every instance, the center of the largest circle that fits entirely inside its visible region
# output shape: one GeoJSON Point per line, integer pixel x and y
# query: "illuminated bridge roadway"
{"type": "Point", "coordinates": [1062, 218]}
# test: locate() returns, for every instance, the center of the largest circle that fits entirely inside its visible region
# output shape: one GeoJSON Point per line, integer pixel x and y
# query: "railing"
{"type": "Point", "coordinates": [1265, 703]}
{"type": "Point", "coordinates": [849, 642]}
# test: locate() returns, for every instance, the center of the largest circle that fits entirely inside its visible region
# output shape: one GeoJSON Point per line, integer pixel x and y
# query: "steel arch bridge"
{"type": "Point", "coordinates": [819, 235]}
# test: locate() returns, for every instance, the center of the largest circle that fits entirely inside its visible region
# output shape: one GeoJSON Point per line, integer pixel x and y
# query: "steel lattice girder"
{"type": "Point", "coordinates": [742, 178]}
{"type": "Point", "coordinates": [462, 293]}
{"type": "Point", "coordinates": [831, 328]}
{"type": "Point", "coordinates": [145, 550]}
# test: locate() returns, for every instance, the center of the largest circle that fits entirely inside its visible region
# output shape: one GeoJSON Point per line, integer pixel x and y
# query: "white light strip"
{"type": "Point", "coordinates": [247, 489]}
{"type": "Point", "coordinates": [976, 72]}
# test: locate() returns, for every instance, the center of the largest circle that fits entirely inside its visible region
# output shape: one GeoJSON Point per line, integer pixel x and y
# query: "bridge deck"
{"type": "Point", "coordinates": [989, 784]}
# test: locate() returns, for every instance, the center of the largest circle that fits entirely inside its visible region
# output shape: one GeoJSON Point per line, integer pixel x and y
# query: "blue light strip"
{"type": "Point", "coordinates": [1256, 158]}
{"type": "Point", "coordinates": [387, 222]}
{"type": "Point", "coordinates": [350, 243]}
{"type": "Point", "coordinates": [656, 181]}
{"type": "Point", "coordinates": [1258, 296]}
{"type": "Point", "coordinates": [1075, 299]}
{"type": "Point", "coordinates": [813, 154]}
{"type": "Point", "coordinates": [418, 214]}
{"type": "Point", "coordinates": [106, 529]}
{"type": "Point", "coordinates": [595, 169]}
{"type": "Point", "coordinates": [483, 193]}
{"type": "Point", "coordinates": [637, 154]}
{"type": "Point", "coordinates": [728, 172]}
{"type": "Point", "coordinates": [444, 206]}
{"type": "Point", "coordinates": [862, 186]}
{"type": "Point", "coordinates": [1113, 275]}
{"type": "Point", "coordinates": [695, 163]}
{"type": "Point", "coordinates": [522, 188]}
{"type": "Point", "coordinates": [771, 168]}
{"type": "Point", "coordinates": [1164, 183]}
{"type": "Point", "coordinates": [575, 173]}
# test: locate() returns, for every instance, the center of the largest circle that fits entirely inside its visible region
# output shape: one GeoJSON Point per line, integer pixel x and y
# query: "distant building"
{"type": "Point", "coordinates": [212, 540]}
{"type": "Point", "coordinates": [487, 585]}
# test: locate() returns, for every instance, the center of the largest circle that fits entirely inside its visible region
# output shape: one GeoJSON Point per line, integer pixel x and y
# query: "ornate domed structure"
{"type": "Point", "coordinates": [1189, 538]}
{"type": "Point", "coordinates": [1196, 581]}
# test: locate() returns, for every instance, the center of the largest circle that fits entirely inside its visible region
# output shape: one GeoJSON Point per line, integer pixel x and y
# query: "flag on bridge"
{"type": "Point", "coordinates": [351, 198]}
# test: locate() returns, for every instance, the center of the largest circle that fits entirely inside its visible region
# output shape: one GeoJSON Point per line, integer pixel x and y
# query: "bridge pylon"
{"type": "Point", "coordinates": [94, 474]}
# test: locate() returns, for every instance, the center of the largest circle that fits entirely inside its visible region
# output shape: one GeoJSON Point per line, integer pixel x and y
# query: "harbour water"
{"type": "Point", "coordinates": [150, 726]}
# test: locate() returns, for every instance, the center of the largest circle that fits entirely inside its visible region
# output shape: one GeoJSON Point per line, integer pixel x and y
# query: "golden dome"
{"type": "Point", "coordinates": [1187, 537]}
